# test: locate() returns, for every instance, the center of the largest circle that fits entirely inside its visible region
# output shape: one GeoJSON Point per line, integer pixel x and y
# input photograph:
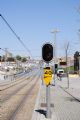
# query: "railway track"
{"type": "Point", "coordinates": [13, 116]}
{"type": "Point", "coordinates": [18, 99]}
{"type": "Point", "coordinates": [13, 89]}
{"type": "Point", "coordinates": [16, 78]}
{"type": "Point", "coordinates": [15, 82]}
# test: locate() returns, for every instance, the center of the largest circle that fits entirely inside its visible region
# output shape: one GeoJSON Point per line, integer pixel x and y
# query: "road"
{"type": "Point", "coordinates": [18, 97]}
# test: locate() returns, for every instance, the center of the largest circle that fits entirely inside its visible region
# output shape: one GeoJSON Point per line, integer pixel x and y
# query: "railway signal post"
{"type": "Point", "coordinates": [47, 55]}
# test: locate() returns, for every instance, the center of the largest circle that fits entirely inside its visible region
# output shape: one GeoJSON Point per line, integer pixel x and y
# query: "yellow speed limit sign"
{"type": "Point", "coordinates": [47, 75]}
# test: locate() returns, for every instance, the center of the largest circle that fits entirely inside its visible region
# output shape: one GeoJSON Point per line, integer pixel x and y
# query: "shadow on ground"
{"type": "Point", "coordinates": [72, 99]}
{"type": "Point", "coordinates": [41, 112]}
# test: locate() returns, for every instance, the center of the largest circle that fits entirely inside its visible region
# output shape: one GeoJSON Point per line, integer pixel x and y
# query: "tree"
{"type": "Point", "coordinates": [76, 61]}
{"type": "Point", "coordinates": [18, 57]}
{"type": "Point", "coordinates": [23, 59]}
{"type": "Point", "coordinates": [0, 58]}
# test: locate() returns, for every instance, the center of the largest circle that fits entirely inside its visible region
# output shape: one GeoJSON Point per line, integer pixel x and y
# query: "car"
{"type": "Point", "coordinates": [60, 72]}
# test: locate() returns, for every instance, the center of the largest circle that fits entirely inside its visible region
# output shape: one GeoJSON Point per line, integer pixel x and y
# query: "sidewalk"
{"type": "Point", "coordinates": [63, 105]}
{"type": "Point", "coordinates": [40, 107]}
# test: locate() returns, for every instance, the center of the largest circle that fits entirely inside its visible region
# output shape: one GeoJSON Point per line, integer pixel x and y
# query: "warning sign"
{"type": "Point", "coordinates": [47, 75]}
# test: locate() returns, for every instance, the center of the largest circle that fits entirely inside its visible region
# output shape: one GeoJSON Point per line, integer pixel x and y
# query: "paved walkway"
{"type": "Point", "coordinates": [65, 103]}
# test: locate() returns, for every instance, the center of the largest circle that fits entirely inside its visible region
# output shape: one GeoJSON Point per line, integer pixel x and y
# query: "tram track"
{"type": "Point", "coordinates": [17, 81]}
{"type": "Point", "coordinates": [13, 84]}
{"type": "Point", "coordinates": [13, 107]}
{"type": "Point", "coordinates": [8, 96]}
{"type": "Point", "coordinates": [12, 117]}
{"type": "Point", "coordinates": [13, 81]}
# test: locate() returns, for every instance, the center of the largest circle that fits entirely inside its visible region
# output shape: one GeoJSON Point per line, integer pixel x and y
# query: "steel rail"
{"type": "Point", "coordinates": [12, 117]}
{"type": "Point", "coordinates": [16, 91]}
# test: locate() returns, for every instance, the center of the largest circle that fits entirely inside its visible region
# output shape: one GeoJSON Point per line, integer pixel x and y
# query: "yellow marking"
{"type": "Point", "coordinates": [47, 76]}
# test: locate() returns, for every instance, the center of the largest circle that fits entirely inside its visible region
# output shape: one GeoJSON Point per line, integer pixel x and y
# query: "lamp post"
{"type": "Point", "coordinates": [55, 31]}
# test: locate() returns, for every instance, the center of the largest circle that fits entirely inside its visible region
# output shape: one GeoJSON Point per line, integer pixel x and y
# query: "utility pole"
{"type": "Point", "coordinates": [55, 31]}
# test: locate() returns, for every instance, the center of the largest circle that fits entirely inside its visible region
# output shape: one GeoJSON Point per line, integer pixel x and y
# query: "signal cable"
{"type": "Point", "coordinates": [16, 35]}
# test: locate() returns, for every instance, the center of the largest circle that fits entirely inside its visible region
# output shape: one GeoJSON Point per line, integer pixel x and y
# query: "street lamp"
{"type": "Point", "coordinates": [55, 31]}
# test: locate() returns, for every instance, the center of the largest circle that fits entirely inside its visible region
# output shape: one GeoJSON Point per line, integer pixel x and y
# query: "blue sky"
{"type": "Point", "coordinates": [33, 21]}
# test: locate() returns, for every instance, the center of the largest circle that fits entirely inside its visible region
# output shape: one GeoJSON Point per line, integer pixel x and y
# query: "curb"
{"type": "Point", "coordinates": [73, 76]}
{"type": "Point", "coordinates": [38, 116]}
{"type": "Point", "coordinates": [36, 104]}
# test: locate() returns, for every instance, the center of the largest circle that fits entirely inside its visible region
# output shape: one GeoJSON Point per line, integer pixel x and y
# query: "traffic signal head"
{"type": "Point", "coordinates": [47, 52]}
{"type": "Point", "coordinates": [56, 68]}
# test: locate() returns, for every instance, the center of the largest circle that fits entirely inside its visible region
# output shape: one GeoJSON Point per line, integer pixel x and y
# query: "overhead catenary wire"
{"type": "Point", "coordinates": [15, 34]}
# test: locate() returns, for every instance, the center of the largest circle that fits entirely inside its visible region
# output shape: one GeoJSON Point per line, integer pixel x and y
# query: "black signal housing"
{"type": "Point", "coordinates": [47, 52]}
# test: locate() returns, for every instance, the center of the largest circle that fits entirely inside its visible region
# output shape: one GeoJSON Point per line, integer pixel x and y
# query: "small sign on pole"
{"type": "Point", "coordinates": [47, 75]}
{"type": "Point", "coordinates": [63, 63]}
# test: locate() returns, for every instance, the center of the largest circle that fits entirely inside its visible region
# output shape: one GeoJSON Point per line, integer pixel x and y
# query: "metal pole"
{"type": "Point", "coordinates": [79, 64]}
{"type": "Point", "coordinates": [67, 65]}
{"type": "Point", "coordinates": [55, 53]}
{"type": "Point", "coordinates": [54, 56]}
{"type": "Point", "coordinates": [42, 72]}
{"type": "Point", "coordinates": [48, 114]}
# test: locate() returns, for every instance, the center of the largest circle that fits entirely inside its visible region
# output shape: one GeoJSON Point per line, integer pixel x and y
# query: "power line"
{"type": "Point", "coordinates": [16, 35]}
